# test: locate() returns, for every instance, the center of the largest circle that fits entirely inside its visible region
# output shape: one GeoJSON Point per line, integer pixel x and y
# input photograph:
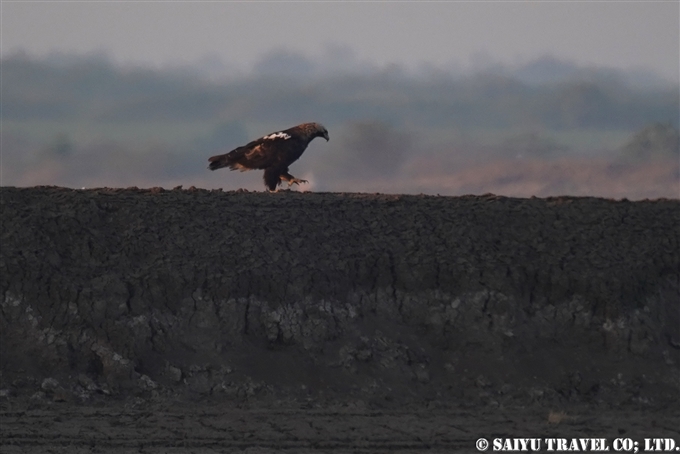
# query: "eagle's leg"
{"type": "Point", "coordinates": [291, 179]}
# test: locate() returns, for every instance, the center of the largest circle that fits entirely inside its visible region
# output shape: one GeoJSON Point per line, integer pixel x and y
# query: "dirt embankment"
{"type": "Point", "coordinates": [326, 298]}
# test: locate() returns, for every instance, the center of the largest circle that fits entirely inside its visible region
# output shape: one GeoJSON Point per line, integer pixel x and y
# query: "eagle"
{"type": "Point", "coordinates": [273, 153]}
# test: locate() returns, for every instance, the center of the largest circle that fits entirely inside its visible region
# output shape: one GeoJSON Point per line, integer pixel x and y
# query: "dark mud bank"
{"type": "Point", "coordinates": [121, 293]}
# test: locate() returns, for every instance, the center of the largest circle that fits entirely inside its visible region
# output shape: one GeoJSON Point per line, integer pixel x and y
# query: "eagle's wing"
{"type": "Point", "coordinates": [274, 150]}
{"type": "Point", "coordinates": [252, 156]}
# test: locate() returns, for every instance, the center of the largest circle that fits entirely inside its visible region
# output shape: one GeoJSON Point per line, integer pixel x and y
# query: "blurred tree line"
{"type": "Point", "coordinates": [94, 89]}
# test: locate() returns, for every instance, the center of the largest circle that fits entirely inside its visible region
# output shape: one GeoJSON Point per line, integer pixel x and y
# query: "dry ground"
{"type": "Point", "coordinates": [205, 321]}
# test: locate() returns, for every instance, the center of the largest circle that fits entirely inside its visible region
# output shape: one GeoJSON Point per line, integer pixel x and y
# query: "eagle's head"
{"type": "Point", "coordinates": [313, 130]}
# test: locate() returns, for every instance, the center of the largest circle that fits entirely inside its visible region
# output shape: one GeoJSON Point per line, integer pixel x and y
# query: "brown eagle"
{"type": "Point", "coordinates": [273, 153]}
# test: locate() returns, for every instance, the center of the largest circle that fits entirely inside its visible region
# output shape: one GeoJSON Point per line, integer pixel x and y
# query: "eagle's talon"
{"type": "Point", "coordinates": [297, 181]}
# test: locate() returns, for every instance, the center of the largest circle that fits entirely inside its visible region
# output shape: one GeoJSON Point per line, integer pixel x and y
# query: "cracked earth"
{"type": "Point", "coordinates": [205, 321]}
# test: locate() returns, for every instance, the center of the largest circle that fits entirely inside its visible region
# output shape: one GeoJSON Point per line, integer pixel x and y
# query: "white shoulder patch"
{"type": "Point", "coordinates": [277, 135]}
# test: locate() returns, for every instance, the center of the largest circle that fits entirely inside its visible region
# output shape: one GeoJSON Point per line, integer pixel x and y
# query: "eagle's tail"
{"type": "Point", "coordinates": [219, 161]}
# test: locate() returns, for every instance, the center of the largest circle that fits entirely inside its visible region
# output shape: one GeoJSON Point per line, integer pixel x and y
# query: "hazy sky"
{"type": "Point", "coordinates": [641, 34]}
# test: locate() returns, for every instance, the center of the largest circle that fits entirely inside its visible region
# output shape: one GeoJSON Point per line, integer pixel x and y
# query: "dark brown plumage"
{"type": "Point", "coordinates": [273, 153]}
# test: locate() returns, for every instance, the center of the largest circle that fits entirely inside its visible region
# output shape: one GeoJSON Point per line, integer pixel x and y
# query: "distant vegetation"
{"type": "Point", "coordinates": [84, 121]}
{"type": "Point", "coordinates": [657, 140]}
{"type": "Point", "coordinates": [94, 90]}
